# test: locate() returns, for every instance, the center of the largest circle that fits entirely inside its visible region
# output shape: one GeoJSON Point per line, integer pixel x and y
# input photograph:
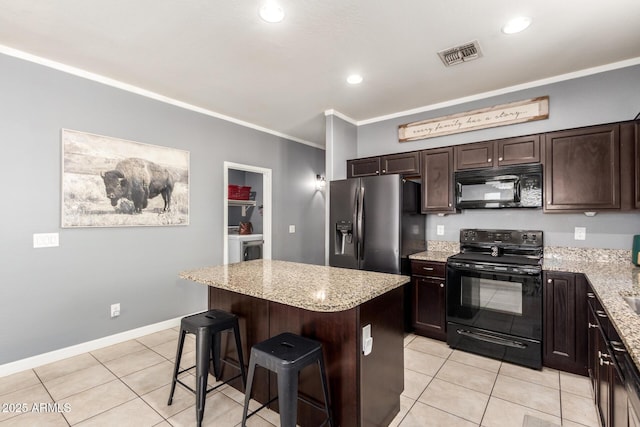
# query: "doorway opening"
{"type": "Point", "coordinates": [258, 206]}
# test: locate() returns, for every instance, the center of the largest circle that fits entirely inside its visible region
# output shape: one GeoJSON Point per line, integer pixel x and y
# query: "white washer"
{"type": "Point", "coordinates": [244, 247]}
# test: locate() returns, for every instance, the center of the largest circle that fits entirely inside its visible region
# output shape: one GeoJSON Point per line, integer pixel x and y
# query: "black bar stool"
{"type": "Point", "coordinates": [286, 354]}
{"type": "Point", "coordinates": [207, 327]}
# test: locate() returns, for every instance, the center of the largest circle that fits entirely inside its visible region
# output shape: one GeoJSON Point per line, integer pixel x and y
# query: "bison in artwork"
{"type": "Point", "coordinates": [138, 180]}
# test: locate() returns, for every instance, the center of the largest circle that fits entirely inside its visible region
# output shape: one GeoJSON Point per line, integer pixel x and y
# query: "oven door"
{"type": "Point", "coordinates": [507, 301]}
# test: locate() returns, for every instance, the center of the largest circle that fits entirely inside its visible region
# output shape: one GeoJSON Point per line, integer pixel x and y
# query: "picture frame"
{"type": "Point", "coordinates": [113, 182]}
{"type": "Point", "coordinates": [499, 115]}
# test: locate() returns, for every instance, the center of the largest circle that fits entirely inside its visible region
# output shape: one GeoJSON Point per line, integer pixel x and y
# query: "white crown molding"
{"type": "Point", "coordinates": [529, 85]}
{"type": "Point", "coordinates": [143, 92]}
{"type": "Point", "coordinates": [336, 113]}
{"type": "Point", "coordinates": [149, 94]}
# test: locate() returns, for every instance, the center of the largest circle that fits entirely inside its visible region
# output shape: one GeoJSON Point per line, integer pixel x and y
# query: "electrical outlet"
{"type": "Point", "coordinates": [440, 230]}
{"type": "Point", "coordinates": [292, 229]}
{"type": "Point", "coordinates": [580, 233]}
{"type": "Point", "coordinates": [115, 310]}
{"type": "Point", "coordinates": [46, 240]}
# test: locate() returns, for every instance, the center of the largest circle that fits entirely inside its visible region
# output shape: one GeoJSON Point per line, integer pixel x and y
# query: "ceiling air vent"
{"type": "Point", "coordinates": [463, 53]}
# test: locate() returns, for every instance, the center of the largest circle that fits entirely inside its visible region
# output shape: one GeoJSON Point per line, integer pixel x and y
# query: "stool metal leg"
{"type": "Point", "coordinates": [176, 367]}
{"type": "Point", "coordinates": [236, 333]}
{"type": "Point", "coordinates": [203, 354]}
{"type": "Point", "coordinates": [216, 355]}
{"type": "Point", "coordinates": [325, 390]}
{"type": "Point", "coordinates": [288, 397]}
{"type": "Point", "coordinates": [247, 391]}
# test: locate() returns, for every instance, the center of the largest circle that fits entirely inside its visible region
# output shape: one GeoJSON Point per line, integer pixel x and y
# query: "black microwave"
{"type": "Point", "coordinates": [502, 187]}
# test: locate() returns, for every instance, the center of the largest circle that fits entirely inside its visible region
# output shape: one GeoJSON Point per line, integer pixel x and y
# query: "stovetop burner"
{"type": "Point", "coordinates": [512, 247]}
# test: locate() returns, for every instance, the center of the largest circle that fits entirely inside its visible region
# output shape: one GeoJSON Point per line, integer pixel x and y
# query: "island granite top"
{"type": "Point", "coordinates": [307, 286]}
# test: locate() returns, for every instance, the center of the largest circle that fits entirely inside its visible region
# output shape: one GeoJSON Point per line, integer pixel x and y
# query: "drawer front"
{"type": "Point", "coordinates": [428, 268]}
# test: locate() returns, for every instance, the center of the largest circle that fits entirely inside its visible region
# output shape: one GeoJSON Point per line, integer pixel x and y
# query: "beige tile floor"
{"type": "Point", "coordinates": [128, 385]}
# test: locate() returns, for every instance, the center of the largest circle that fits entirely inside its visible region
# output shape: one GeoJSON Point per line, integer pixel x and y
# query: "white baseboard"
{"type": "Point", "coordinates": [63, 353]}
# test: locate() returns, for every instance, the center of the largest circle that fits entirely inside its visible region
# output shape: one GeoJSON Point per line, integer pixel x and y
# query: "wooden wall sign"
{"type": "Point", "coordinates": [499, 115]}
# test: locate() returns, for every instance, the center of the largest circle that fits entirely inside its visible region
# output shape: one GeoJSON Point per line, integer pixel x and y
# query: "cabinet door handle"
{"type": "Point", "coordinates": [500, 158]}
{"type": "Point", "coordinates": [428, 268]}
{"type": "Point", "coordinates": [601, 313]}
{"type": "Point", "coordinates": [604, 362]}
{"type": "Point", "coordinates": [549, 280]}
{"type": "Point", "coordinates": [449, 204]}
{"type": "Point", "coordinates": [384, 171]}
{"type": "Point", "coordinates": [592, 325]}
{"type": "Point", "coordinates": [377, 172]}
{"type": "Point", "coordinates": [618, 347]}
{"type": "Point", "coordinates": [488, 160]}
{"type": "Point", "coordinates": [442, 285]}
{"type": "Point", "coordinates": [591, 295]}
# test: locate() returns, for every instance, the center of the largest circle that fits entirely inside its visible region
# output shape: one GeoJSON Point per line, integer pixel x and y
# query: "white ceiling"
{"type": "Point", "coordinates": [219, 56]}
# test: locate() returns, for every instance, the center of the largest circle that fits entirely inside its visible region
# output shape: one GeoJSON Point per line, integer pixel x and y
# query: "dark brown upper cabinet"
{"type": "Point", "coordinates": [636, 156]}
{"type": "Point", "coordinates": [437, 180]}
{"type": "Point", "coordinates": [630, 164]}
{"type": "Point", "coordinates": [369, 166]}
{"type": "Point", "coordinates": [582, 169]}
{"type": "Point", "coordinates": [502, 152]}
{"type": "Point", "coordinates": [403, 163]}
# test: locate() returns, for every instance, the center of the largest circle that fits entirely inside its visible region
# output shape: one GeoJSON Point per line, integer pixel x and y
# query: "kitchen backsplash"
{"type": "Point", "coordinates": [587, 254]}
{"type": "Point", "coordinates": [443, 246]}
{"type": "Point", "coordinates": [552, 252]}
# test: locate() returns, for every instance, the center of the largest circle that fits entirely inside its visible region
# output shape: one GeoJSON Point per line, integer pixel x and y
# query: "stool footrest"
{"type": "Point", "coordinates": [262, 407]}
{"type": "Point", "coordinates": [212, 388]}
{"type": "Point", "coordinates": [227, 362]}
{"type": "Point", "coordinates": [311, 402]}
{"type": "Point", "coordinates": [300, 397]}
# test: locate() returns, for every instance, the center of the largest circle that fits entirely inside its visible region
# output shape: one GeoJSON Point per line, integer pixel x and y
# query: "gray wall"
{"type": "Point", "coordinates": [57, 297]}
{"type": "Point", "coordinates": [342, 144]}
{"type": "Point", "coordinates": [600, 98]}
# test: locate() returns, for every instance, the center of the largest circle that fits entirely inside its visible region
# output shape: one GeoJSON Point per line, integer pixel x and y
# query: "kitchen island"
{"type": "Point", "coordinates": [331, 305]}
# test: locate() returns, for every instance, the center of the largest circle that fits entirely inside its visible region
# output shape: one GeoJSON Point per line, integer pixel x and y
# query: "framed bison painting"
{"type": "Point", "coordinates": [111, 182]}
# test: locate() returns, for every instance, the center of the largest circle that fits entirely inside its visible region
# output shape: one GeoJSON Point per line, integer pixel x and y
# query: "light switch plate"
{"type": "Point", "coordinates": [440, 230]}
{"type": "Point", "coordinates": [580, 233]}
{"type": "Point", "coordinates": [292, 229]}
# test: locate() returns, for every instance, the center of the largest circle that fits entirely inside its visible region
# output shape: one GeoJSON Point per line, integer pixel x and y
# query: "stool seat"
{"type": "Point", "coordinates": [207, 327]}
{"type": "Point", "coordinates": [286, 351]}
{"type": "Point", "coordinates": [217, 319]}
{"type": "Point", "coordinates": [286, 355]}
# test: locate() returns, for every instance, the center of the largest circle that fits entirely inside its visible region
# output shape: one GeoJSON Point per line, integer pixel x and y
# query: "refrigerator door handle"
{"type": "Point", "coordinates": [360, 223]}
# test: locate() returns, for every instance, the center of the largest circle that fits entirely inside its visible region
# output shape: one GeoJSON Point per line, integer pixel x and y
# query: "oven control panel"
{"type": "Point", "coordinates": [507, 237]}
{"type": "Point", "coordinates": [496, 268]}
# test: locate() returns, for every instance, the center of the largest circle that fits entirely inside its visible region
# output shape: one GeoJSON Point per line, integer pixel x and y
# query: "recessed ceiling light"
{"type": "Point", "coordinates": [271, 12]}
{"type": "Point", "coordinates": [354, 79]}
{"type": "Point", "coordinates": [516, 25]}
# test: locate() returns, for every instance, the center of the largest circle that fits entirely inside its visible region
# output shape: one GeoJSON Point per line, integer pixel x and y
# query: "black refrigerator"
{"type": "Point", "coordinates": [375, 223]}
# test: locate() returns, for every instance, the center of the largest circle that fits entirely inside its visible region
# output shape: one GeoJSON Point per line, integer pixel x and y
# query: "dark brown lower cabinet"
{"type": "Point", "coordinates": [428, 302]}
{"type": "Point", "coordinates": [610, 393]}
{"type": "Point", "coordinates": [564, 326]}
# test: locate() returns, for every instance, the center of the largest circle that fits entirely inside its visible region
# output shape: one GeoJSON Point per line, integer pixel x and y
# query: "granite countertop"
{"type": "Point", "coordinates": [310, 287]}
{"type": "Point", "coordinates": [610, 273]}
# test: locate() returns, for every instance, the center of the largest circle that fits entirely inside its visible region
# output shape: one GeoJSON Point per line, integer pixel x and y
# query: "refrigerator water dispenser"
{"type": "Point", "coordinates": [344, 236]}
